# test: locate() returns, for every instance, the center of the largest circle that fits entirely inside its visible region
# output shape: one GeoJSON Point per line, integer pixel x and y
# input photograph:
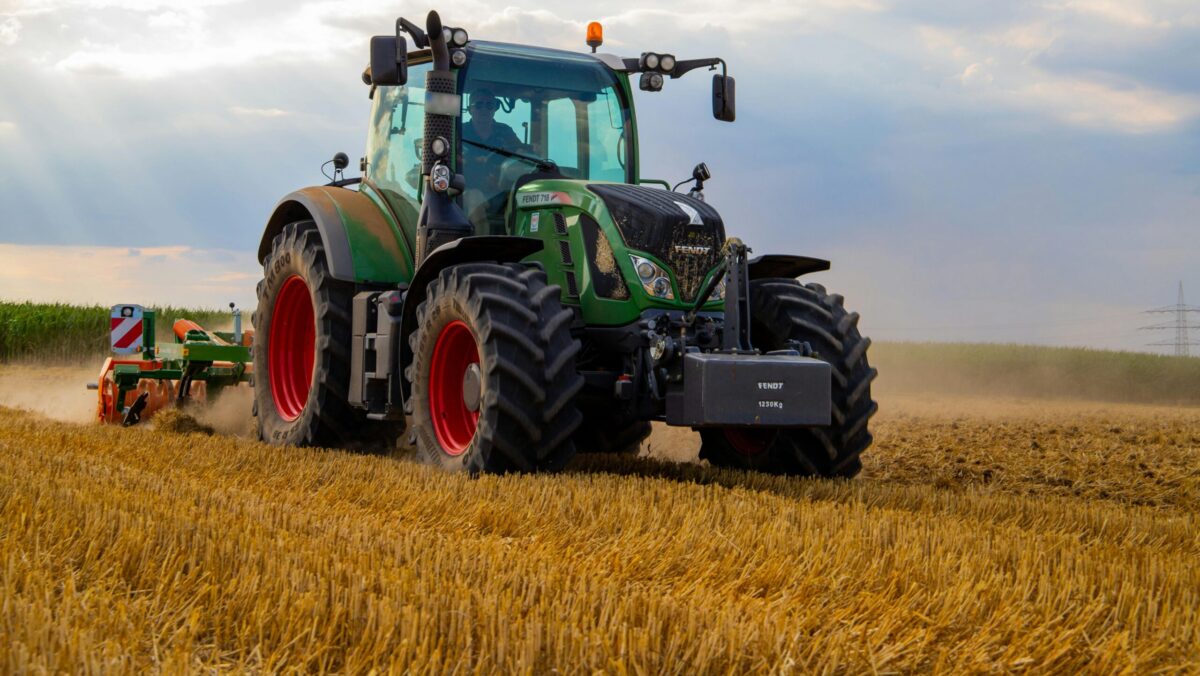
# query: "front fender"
{"type": "Point", "coordinates": [361, 242]}
{"type": "Point", "coordinates": [783, 265]}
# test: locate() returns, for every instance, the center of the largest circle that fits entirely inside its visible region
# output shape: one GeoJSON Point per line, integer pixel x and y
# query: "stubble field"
{"type": "Point", "coordinates": [984, 534]}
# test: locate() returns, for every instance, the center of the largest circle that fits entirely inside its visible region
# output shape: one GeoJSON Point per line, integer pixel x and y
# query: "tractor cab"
{"type": "Point", "coordinates": [525, 113]}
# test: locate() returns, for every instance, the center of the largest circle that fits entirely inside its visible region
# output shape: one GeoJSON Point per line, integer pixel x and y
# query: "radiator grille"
{"type": "Point", "coordinates": [683, 232]}
{"type": "Point", "coordinates": [560, 223]}
{"type": "Point", "coordinates": [572, 285]}
{"type": "Point", "coordinates": [564, 251]}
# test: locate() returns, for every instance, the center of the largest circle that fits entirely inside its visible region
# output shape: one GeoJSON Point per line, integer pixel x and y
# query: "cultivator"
{"type": "Point", "coordinates": [197, 366]}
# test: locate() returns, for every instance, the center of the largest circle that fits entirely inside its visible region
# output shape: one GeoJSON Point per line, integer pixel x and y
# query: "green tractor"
{"type": "Point", "coordinates": [502, 278]}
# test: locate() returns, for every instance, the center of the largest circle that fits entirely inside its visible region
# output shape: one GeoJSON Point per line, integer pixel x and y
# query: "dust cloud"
{"type": "Point", "coordinates": [58, 392]}
{"type": "Point", "coordinates": [230, 413]}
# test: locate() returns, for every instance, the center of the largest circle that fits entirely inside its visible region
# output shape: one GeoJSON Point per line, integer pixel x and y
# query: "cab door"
{"type": "Point", "coordinates": [393, 160]}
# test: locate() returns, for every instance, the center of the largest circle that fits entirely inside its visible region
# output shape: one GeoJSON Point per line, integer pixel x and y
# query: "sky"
{"type": "Point", "coordinates": [1014, 172]}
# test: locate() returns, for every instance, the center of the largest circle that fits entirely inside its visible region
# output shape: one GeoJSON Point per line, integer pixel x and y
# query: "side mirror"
{"type": "Point", "coordinates": [389, 60]}
{"type": "Point", "coordinates": [724, 108]}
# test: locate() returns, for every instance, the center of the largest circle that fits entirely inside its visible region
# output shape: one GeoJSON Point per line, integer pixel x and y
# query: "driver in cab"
{"type": "Point", "coordinates": [484, 129]}
{"type": "Point", "coordinates": [484, 198]}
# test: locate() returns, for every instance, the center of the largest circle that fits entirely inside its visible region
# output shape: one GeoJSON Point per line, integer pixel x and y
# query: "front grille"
{"type": "Point", "coordinates": [564, 251]}
{"type": "Point", "coordinates": [572, 285]}
{"type": "Point", "coordinates": [560, 223]}
{"type": "Point", "coordinates": [681, 231]}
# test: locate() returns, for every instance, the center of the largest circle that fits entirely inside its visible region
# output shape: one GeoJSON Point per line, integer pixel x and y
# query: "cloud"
{"type": "Point", "coordinates": [1126, 13]}
{"type": "Point", "coordinates": [7, 128]}
{"type": "Point", "coordinates": [172, 20]}
{"type": "Point", "coordinates": [259, 112]}
{"type": "Point", "coordinates": [35, 7]}
{"type": "Point", "coordinates": [10, 31]}
{"type": "Point", "coordinates": [1007, 66]}
{"type": "Point", "coordinates": [157, 275]}
{"type": "Point", "coordinates": [976, 74]}
{"type": "Point", "coordinates": [1132, 108]}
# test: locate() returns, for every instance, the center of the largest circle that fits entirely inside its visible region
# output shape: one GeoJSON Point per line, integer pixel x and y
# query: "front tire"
{"type": "Point", "coordinates": [493, 372]}
{"type": "Point", "coordinates": [783, 310]}
{"type": "Point", "coordinates": [301, 350]}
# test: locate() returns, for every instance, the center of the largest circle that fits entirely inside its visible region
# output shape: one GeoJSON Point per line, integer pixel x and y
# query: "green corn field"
{"type": "Point", "coordinates": [58, 332]}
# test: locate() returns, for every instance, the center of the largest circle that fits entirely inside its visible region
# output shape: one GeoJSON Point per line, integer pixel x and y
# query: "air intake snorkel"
{"type": "Point", "coordinates": [441, 219]}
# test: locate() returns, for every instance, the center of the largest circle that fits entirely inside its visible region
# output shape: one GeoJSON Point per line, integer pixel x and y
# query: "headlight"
{"type": "Point", "coordinates": [458, 57]}
{"type": "Point", "coordinates": [653, 278]}
{"type": "Point", "coordinates": [645, 271]}
{"type": "Point", "coordinates": [667, 63]}
{"type": "Point", "coordinates": [650, 60]}
{"type": "Point", "coordinates": [460, 37]}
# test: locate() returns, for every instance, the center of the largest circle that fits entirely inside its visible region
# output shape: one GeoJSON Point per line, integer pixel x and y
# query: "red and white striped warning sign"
{"type": "Point", "coordinates": [126, 328]}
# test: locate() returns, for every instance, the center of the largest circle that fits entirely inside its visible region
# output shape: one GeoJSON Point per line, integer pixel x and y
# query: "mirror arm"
{"type": "Point", "coordinates": [684, 67]}
{"type": "Point", "coordinates": [681, 67]}
{"type": "Point", "coordinates": [420, 39]}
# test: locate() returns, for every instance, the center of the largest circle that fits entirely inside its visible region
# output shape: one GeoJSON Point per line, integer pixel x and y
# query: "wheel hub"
{"type": "Point", "coordinates": [471, 393]}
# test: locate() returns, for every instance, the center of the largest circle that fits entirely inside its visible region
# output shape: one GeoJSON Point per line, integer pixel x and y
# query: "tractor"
{"type": "Point", "coordinates": [502, 283]}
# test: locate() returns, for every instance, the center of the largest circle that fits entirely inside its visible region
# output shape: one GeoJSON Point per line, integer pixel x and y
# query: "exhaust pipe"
{"type": "Point", "coordinates": [441, 219]}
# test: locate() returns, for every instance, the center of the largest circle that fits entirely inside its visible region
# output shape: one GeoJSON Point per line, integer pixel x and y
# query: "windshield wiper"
{"type": "Point", "coordinates": [540, 163]}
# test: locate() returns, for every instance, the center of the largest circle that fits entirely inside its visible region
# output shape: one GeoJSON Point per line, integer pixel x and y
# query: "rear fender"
{"type": "Point", "coordinates": [486, 248]}
{"type": "Point", "coordinates": [361, 243]}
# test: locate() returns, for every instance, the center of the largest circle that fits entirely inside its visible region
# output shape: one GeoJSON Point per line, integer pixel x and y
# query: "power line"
{"type": "Point", "coordinates": [1012, 325]}
{"type": "Point", "coordinates": [1179, 325]}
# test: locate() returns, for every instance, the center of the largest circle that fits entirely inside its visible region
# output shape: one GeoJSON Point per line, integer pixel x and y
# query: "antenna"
{"type": "Point", "coordinates": [1179, 325]}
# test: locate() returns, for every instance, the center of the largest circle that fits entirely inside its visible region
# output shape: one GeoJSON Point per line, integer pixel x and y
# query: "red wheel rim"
{"type": "Point", "coordinates": [749, 442]}
{"type": "Point", "coordinates": [291, 348]}
{"type": "Point", "coordinates": [453, 353]}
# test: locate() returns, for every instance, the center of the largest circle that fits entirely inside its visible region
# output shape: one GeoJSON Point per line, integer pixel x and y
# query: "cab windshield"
{"type": "Point", "coordinates": [531, 112]}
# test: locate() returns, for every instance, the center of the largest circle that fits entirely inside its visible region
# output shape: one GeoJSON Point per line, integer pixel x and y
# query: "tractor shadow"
{"type": "Point", "coordinates": [703, 474]}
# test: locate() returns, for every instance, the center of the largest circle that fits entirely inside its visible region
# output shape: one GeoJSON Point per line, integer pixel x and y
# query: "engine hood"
{"type": "Point", "coordinates": [684, 233]}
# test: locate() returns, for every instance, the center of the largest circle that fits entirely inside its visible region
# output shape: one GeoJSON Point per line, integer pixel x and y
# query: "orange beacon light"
{"type": "Point", "coordinates": [595, 35]}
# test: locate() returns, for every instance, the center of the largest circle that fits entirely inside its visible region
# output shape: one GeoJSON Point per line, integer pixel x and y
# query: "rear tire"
{"type": "Point", "coordinates": [302, 350]}
{"type": "Point", "coordinates": [782, 310]}
{"type": "Point", "coordinates": [493, 372]}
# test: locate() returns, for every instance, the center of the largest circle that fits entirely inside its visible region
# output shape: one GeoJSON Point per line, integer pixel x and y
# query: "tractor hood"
{"type": "Point", "coordinates": [682, 232]}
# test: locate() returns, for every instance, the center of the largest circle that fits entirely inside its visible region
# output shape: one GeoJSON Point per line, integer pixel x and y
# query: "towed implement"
{"type": "Point", "coordinates": [145, 377]}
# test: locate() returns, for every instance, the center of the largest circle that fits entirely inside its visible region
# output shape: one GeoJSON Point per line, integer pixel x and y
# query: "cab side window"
{"type": "Point", "coordinates": [394, 141]}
